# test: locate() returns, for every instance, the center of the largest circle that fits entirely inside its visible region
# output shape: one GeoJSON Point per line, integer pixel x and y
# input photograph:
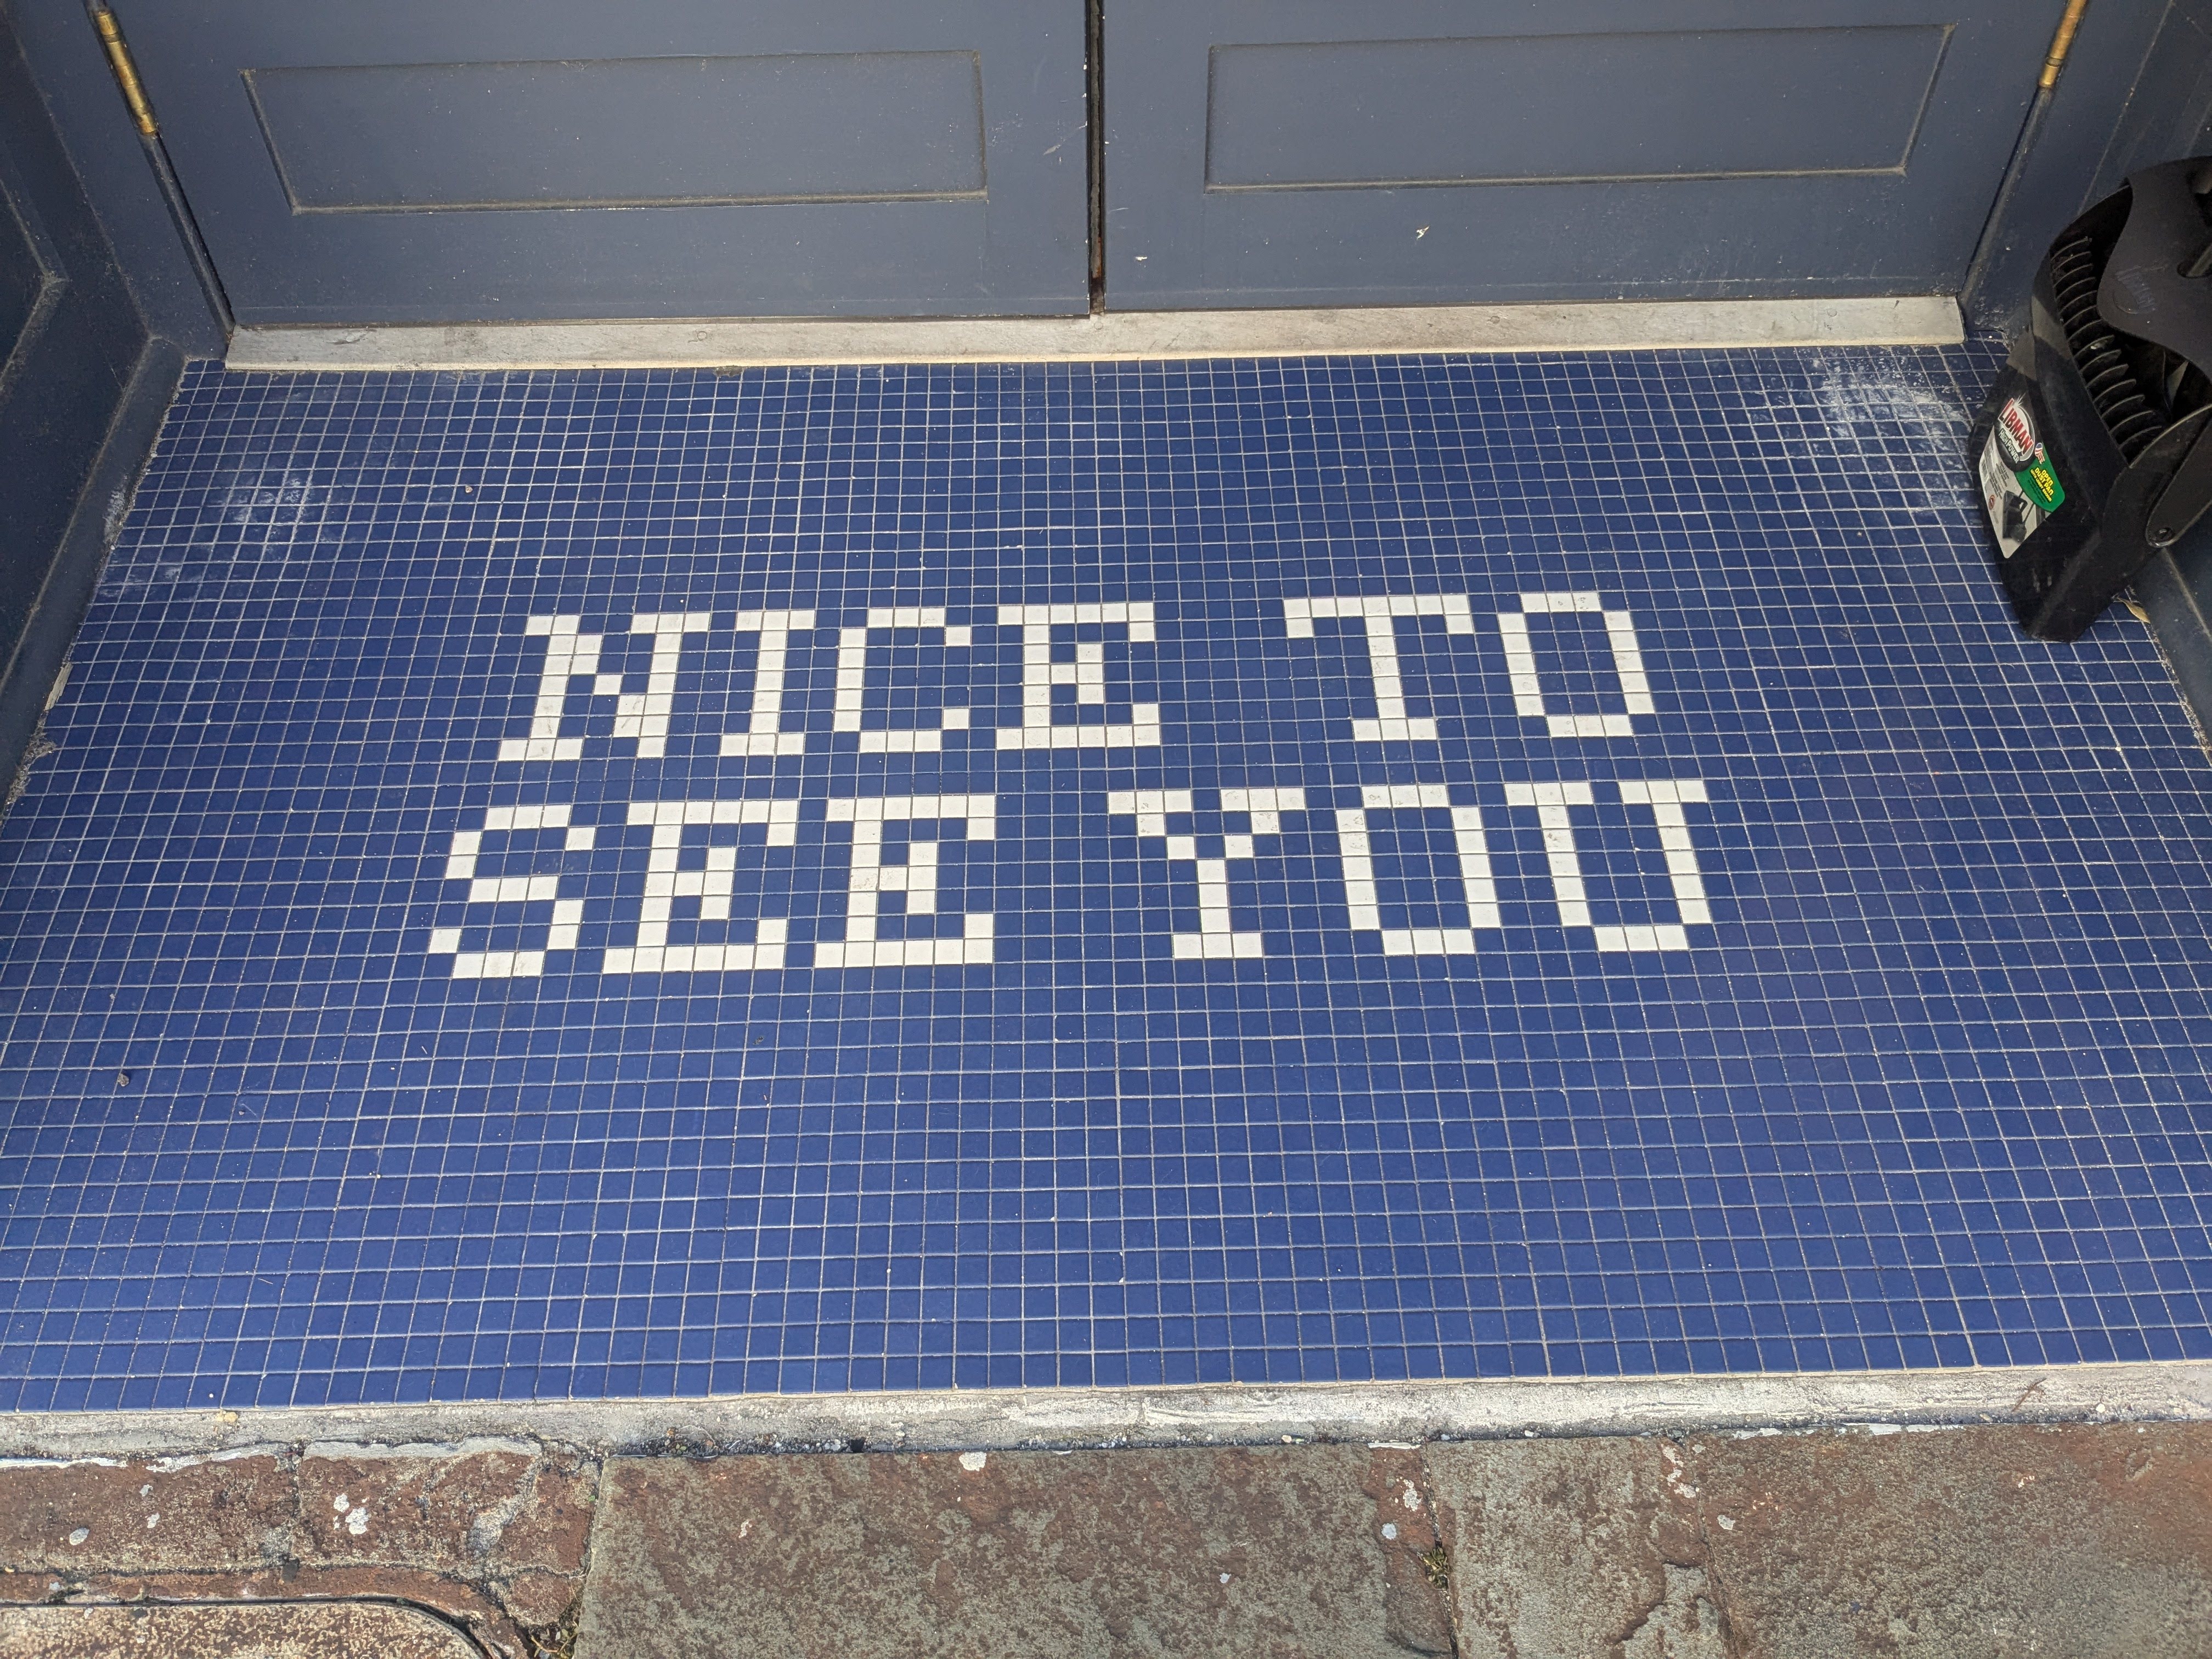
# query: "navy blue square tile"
{"type": "Point", "coordinates": [581, 883]}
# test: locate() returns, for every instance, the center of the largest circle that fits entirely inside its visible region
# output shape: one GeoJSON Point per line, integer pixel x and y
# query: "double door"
{"type": "Point", "coordinates": [415, 161]}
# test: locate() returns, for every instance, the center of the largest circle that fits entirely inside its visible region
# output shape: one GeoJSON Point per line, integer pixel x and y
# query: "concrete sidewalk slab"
{"type": "Point", "coordinates": [1575, 1547]}
{"type": "Point", "coordinates": [2093, 1542]}
{"type": "Point", "coordinates": [2088, 1542]}
{"type": "Point", "coordinates": [1326, 1551]}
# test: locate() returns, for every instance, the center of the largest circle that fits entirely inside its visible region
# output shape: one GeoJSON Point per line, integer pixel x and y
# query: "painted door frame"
{"type": "Point", "coordinates": [83, 390]}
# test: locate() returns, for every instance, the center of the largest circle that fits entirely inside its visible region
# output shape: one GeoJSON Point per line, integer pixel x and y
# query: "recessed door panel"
{"type": "Point", "coordinates": [418, 161]}
{"type": "Point", "coordinates": [800, 127]}
{"type": "Point", "coordinates": [1299, 152]}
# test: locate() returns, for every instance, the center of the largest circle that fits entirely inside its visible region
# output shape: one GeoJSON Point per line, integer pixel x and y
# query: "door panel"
{"type": "Point", "coordinates": [1302, 152]}
{"type": "Point", "coordinates": [1475, 111]}
{"type": "Point", "coordinates": [421, 162]}
{"type": "Point", "coordinates": [821, 127]}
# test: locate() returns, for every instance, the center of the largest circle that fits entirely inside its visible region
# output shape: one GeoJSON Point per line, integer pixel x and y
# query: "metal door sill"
{"type": "Point", "coordinates": [1605, 325]}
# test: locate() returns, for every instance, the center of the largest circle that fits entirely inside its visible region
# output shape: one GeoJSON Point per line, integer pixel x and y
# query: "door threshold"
{"type": "Point", "coordinates": [1605, 325]}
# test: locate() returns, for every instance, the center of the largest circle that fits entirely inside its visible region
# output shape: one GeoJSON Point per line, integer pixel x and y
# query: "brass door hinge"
{"type": "Point", "coordinates": [2061, 43]}
{"type": "Point", "coordinates": [127, 72]}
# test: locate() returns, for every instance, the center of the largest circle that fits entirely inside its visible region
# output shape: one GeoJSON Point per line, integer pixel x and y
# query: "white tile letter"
{"type": "Point", "coordinates": [1666, 798]}
{"type": "Point", "coordinates": [765, 733]}
{"type": "Point", "coordinates": [1627, 664]}
{"type": "Point", "coordinates": [1217, 934]}
{"type": "Point", "coordinates": [863, 945]}
{"type": "Point", "coordinates": [852, 669]}
{"type": "Point", "coordinates": [665, 883]}
{"type": "Point", "coordinates": [1087, 674]}
{"type": "Point", "coordinates": [461, 866]}
{"type": "Point", "coordinates": [568, 655]}
{"type": "Point", "coordinates": [1379, 613]}
{"type": "Point", "coordinates": [1359, 892]}
{"type": "Point", "coordinates": [643, 715]}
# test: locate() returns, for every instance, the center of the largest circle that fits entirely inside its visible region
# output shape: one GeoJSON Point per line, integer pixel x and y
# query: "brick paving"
{"type": "Point", "coordinates": [491, 1537]}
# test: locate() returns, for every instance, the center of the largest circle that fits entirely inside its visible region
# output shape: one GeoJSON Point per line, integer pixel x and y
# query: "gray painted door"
{"type": "Point", "coordinates": [429, 160]}
{"type": "Point", "coordinates": [1312, 152]}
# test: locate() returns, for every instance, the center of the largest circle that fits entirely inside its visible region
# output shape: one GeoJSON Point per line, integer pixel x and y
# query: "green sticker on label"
{"type": "Point", "coordinates": [2041, 484]}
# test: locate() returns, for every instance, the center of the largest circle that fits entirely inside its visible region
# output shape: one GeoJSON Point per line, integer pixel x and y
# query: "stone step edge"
{"type": "Point", "coordinates": [1190, 1414]}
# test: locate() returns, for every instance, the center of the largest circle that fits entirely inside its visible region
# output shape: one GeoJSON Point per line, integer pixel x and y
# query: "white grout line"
{"type": "Point", "coordinates": [1611, 326]}
{"type": "Point", "coordinates": [2175, 1390]}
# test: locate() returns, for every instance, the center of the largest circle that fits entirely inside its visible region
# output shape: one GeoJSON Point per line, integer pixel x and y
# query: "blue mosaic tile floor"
{"type": "Point", "coordinates": [633, 884]}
